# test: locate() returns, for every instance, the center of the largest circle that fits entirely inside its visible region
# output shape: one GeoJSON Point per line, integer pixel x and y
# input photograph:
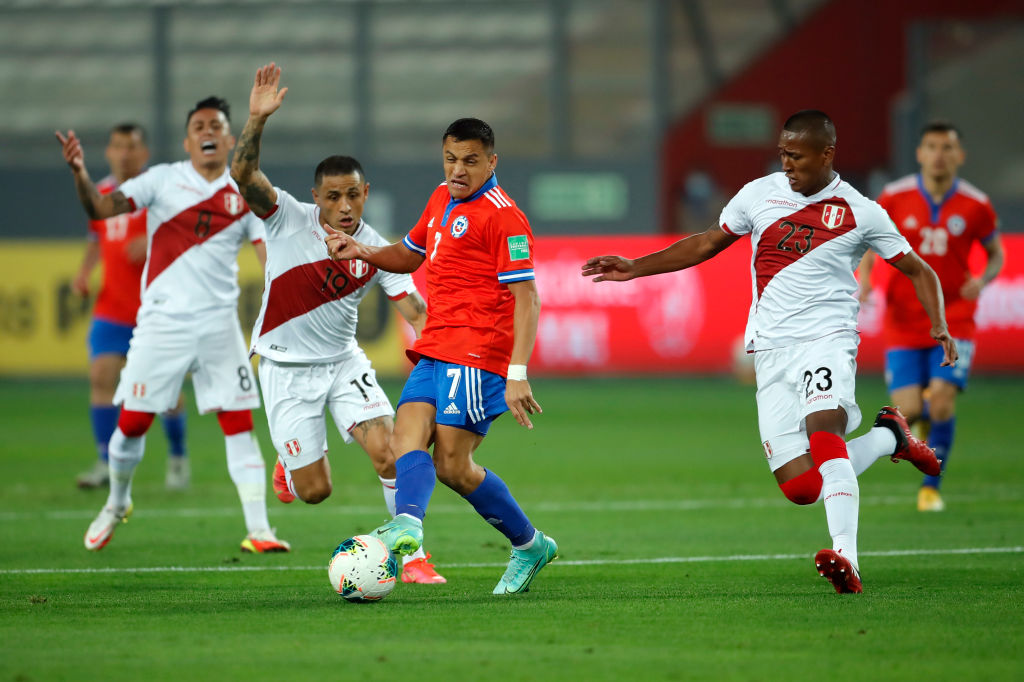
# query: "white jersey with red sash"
{"type": "Point", "coordinates": [195, 229]}
{"type": "Point", "coordinates": [805, 251]}
{"type": "Point", "coordinates": [310, 302]}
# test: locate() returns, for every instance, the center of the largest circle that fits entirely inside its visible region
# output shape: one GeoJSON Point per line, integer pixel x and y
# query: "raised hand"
{"type": "Point", "coordinates": [72, 149]}
{"type": "Point", "coordinates": [609, 269]}
{"type": "Point", "coordinates": [265, 97]}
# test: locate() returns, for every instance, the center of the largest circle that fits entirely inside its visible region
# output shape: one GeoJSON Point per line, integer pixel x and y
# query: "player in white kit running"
{"type": "Point", "coordinates": [808, 230]}
{"type": "Point", "coordinates": [188, 320]}
{"type": "Point", "coordinates": [306, 330]}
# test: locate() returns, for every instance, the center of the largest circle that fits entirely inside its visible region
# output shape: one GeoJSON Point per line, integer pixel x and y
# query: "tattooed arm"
{"type": "Point", "coordinates": [264, 100]}
{"type": "Point", "coordinates": [414, 309]}
{"type": "Point", "coordinates": [96, 205]}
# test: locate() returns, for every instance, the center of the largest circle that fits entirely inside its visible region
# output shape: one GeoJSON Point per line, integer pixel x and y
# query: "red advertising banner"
{"type": "Point", "coordinates": [692, 321]}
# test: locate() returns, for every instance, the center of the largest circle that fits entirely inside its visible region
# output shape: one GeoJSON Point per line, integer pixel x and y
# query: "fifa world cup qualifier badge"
{"type": "Point", "coordinates": [518, 247]}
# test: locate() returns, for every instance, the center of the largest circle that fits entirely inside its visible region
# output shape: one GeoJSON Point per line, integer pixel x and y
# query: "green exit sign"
{"type": "Point", "coordinates": [578, 196]}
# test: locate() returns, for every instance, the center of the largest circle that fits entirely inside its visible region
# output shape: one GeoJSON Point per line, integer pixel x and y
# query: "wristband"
{"type": "Point", "coordinates": [517, 372]}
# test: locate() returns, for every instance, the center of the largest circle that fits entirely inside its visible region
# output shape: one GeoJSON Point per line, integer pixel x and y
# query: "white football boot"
{"type": "Point", "coordinates": [102, 529]}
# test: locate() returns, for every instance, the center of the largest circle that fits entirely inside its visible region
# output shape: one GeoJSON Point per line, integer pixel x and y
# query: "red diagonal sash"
{"type": "Point", "coordinates": [309, 286]}
{"type": "Point", "coordinates": [793, 237]}
{"type": "Point", "coordinates": [193, 226]}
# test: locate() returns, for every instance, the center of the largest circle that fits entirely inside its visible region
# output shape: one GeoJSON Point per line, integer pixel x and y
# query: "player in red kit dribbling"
{"type": "Point", "coordinates": [942, 216]}
{"type": "Point", "coordinates": [482, 312]}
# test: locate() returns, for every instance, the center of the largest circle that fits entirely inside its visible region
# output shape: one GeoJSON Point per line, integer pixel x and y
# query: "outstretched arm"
{"type": "Point", "coordinates": [97, 206]}
{"type": "Point", "coordinates": [685, 253]}
{"type": "Point", "coordinates": [264, 100]}
{"type": "Point", "coordinates": [929, 292]}
{"type": "Point", "coordinates": [390, 258]}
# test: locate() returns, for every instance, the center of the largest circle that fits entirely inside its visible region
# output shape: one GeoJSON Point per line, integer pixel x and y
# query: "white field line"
{"type": "Point", "coordinates": [543, 507]}
{"type": "Point", "coordinates": [582, 562]}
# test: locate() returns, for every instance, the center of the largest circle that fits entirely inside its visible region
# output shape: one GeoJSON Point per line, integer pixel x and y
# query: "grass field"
{"type": "Point", "coordinates": [680, 559]}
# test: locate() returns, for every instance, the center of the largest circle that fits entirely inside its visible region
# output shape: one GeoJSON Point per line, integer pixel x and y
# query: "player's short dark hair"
{"type": "Point", "coordinates": [470, 129]}
{"type": "Point", "coordinates": [211, 102]}
{"type": "Point", "coordinates": [337, 165]}
{"type": "Point", "coordinates": [816, 124]}
{"type": "Point", "coordinates": [940, 126]}
{"type": "Point", "coordinates": [129, 127]}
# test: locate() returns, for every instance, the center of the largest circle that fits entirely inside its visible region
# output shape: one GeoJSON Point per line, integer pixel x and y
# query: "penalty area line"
{"type": "Point", "coordinates": [577, 562]}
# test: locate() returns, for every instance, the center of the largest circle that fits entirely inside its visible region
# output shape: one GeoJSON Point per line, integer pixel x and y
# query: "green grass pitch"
{"type": "Point", "coordinates": [680, 559]}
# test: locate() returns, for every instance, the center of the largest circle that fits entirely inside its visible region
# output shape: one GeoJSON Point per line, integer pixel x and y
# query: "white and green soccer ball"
{"type": "Point", "coordinates": [362, 568]}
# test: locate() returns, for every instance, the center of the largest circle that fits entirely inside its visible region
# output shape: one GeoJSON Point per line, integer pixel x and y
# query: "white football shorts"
{"type": "Point", "coordinates": [794, 381]}
{"type": "Point", "coordinates": [296, 395]}
{"type": "Point", "coordinates": [164, 348]}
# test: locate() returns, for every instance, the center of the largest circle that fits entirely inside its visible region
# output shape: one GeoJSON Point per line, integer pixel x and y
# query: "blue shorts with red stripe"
{"type": "Point", "coordinates": [106, 337]}
{"type": "Point", "coordinates": [464, 397]}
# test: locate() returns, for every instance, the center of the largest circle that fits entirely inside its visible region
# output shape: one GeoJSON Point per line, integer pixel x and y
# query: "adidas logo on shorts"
{"type": "Point", "coordinates": [451, 409]}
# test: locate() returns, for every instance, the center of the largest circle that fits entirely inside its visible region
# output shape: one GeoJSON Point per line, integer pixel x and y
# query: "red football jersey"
{"type": "Point", "coordinates": [942, 235]}
{"type": "Point", "coordinates": [474, 248]}
{"type": "Point", "coordinates": [118, 299]}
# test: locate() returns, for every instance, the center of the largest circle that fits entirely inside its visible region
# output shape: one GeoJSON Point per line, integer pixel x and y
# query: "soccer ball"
{"type": "Point", "coordinates": [362, 568]}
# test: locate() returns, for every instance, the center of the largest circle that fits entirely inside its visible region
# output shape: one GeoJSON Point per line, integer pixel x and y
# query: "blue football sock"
{"type": "Point", "coordinates": [940, 437]}
{"type": "Point", "coordinates": [493, 501]}
{"type": "Point", "coordinates": [104, 421]}
{"type": "Point", "coordinates": [415, 477]}
{"type": "Point", "coordinates": [174, 427]}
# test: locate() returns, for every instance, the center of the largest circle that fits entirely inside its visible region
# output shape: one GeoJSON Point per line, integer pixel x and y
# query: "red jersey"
{"type": "Point", "coordinates": [942, 235]}
{"type": "Point", "coordinates": [473, 248]}
{"type": "Point", "coordinates": [118, 299]}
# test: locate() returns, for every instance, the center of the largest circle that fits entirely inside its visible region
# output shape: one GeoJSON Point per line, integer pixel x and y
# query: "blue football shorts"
{"type": "Point", "coordinates": [107, 337]}
{"type": "Point", "coordinates": [918, 366]}
{"type": "Point", "coordinates": [464, 397]}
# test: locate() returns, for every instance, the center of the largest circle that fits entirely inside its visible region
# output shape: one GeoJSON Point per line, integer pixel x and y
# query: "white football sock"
{"type": "Point", "coordinates": [388, 485]}
{"type": "Point", "coordinates": [866, 450]}
{"type": "Point", "coordinates": [249, 473]}
{"type": "Point", "coordinates": [842, 505]}
{"type": "Point", "coordinates": [529, 543]}
{"type": "Point", "coordinates": [125, 454]}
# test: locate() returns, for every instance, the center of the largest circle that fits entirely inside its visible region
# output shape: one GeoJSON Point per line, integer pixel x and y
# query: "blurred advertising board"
{"type": "Point", "coordinates": [44, 325]}
{"type": "Point", "coordinates": [690, 321]}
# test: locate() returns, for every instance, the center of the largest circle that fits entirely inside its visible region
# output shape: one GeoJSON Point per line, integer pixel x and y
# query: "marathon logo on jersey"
{"type": "Point", "coordinates": [956, 225]}
{"type": "Point", "coordinates": [768, 450]}
{"type": "Point", "coordinates": [518, 247]}
{"type": "Point", "coordinates": [292, 447]}
{"type": "Point", "coordinates": [459, 226]}
{"type": "Point", "coordinates": [358, 268]}
{"type": "Point", "coordinates": [233, 203]}
{"type": "Point", "coordinates": [139, 390]}
{"type": "Point", "coordinates": [832, 215]}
